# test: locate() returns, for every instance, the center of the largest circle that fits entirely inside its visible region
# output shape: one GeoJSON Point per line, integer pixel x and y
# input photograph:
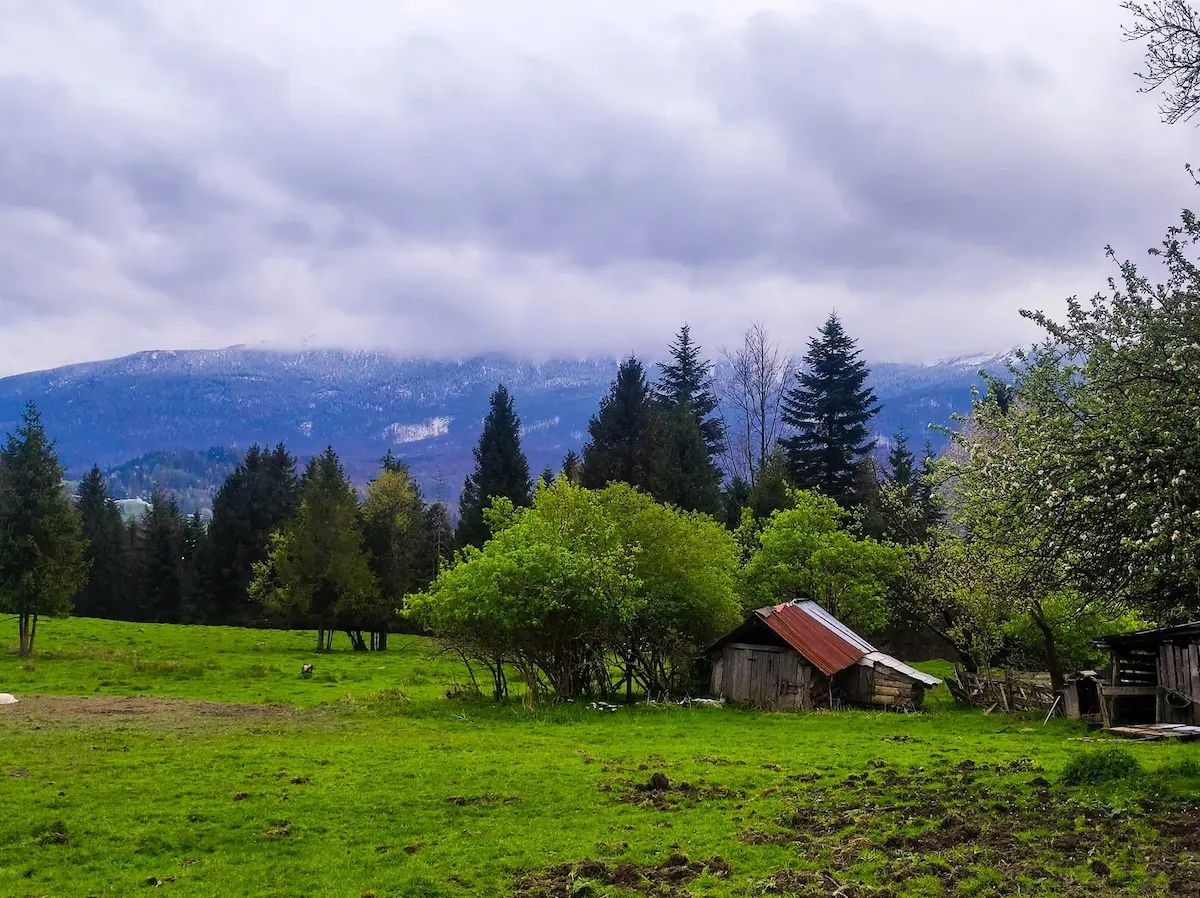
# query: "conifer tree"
{"type": "Point", "coordinates": [687, 380]}
{"type": "Point", "coordinates": [572, 467]}
{"type": "Point", "coordinates": [160, 562]}
{"type": "Point", "coordinates": [41, 543]}
{"type": "Point", "coordinates": [690, 479]}
{"type": "Point", "coordinates": [256, 499]}
{"type": "Point", "coordinates": [828, 410]}
{"type": "Point", "coordinates": [627, 442]}
{"type": "Point", "coordinates": [105, 593]}
{"type": "Point", "coordinates": [501, 470]}
{"type": "Point", "coordinates": [317, 572]}
{"type": "Point", "coordinates": [547, 475]}
{"type": "Point", "coordinates": [902, 464]}
{"type": "Point", "coordinates": [395, 536]}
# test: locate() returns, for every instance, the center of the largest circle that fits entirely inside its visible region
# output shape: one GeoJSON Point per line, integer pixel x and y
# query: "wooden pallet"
{"type": "Point", "coordinates": [1153, 732]}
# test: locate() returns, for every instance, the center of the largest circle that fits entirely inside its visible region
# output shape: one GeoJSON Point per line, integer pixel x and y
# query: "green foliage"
{"type": "Point", "coordinates": [1073, 629]}
{"type": "Point", "coordinates": [395, 535]}
{"type": "Point", "coordinates": [687, 381]}
{"type": "Point", "coordinates": [828, 409]}
{"type": "Point", "coordinates": [316, 571]}
{"type": "Point", "coordinates": [105, 592]}
{"type": "Point", "coordinates": [255, 500]}
{"type": "Point", "coordinates": [1101, 765]}
{"type": "Point", "coordinates": [501, 470]}
{"type": "Point", "coordinates": [582, 579]}
{"type": "Point", "coordinates": [162, 567]}
{"type": "Point", "coordinates": [691, 480]}
{"type": "Point", "coordinates": [627, 436]}
{"type": "Point", "coordinates": [811, 551]}
{"type": "Point", "coordinates": [41, 543]}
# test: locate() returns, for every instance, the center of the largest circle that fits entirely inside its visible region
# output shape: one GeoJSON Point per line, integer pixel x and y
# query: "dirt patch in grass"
{"type": "Point", "coordinates": [885, 832]}
{"type": "Point", "coordinates": [52, 706]}
{"type": "Point", "coordinates": [659, 792]}
{"type": "Point", "coordinates": [666, 878]}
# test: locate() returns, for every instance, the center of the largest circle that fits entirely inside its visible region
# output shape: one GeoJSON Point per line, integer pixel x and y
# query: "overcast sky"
{"type": "Point", "coordinates": [445, 177]}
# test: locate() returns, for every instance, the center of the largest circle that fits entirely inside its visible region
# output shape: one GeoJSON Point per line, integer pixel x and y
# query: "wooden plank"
{"type": "Point", "coordinates": [1194, 681]}
{"type": "Point", "coordinates": [1105, 689]}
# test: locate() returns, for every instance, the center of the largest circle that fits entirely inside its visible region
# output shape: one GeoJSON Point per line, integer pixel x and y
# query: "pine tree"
{"type": "Point", "coordinates": [627, 442]}
{"type": "Point", "coordinates": [394, 534]}
{"type": "Point", "coordinates": [687, 380]}
{"type": "Point", "coordinates": [105, 593]}
{"type": "Point", "coordinates": [690, 480]}
{"type": "Point", "coordinates": [257, 498]}
{"type": "Point", "coordinates": [41, 543]}
{"type": "Point", "coordinates": [572, 467]}
{"type": "Point", "coordinates": [501, 470]}
{"type": "Point", "coordinates": [547, 475]}
{"type": "Point", "coordinates": [160, 562]}
{"type": "Point", "coordinates": [317, 572]}
{"type": "Point", "coordinates": [927, 501]}
{"type": "Point", "coordinates": [828, 410]}
{"type": "Point", "coordinates": [902, 464]}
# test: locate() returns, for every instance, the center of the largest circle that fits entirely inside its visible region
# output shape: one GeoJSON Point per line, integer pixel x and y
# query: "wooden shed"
{"type": "Point", "coordinates": [797, 655]}
{"type": "Point", "coordinates": [1153, 679]}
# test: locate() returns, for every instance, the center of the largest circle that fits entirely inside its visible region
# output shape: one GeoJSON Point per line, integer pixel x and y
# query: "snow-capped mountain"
{"type": "Point", "coordinates": [365, 403]}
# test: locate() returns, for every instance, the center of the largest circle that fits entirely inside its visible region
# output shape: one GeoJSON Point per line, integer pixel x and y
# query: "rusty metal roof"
{"type": "Point", "coordinates": [817, 635]}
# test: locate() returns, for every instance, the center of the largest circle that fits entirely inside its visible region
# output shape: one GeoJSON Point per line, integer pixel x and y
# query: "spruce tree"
{"type": "Point", "coordinates": [902, 464]}
{"type": "Point", "coordinates": [41, 543]}
{"type": "Point", "coordinates": [501, 470]}
{"type": "Point", "coordinates": [105, 593]}
{"type": "Point", "coordinates": [161, 562]}
{"type": "Point", "coordinates": [627, 442]}
{"type": "Point", "coordinates": [687, 380]}
{"type": "Point", "coordinates": [317, 571]}
{"type": "Point", "coordinates": [690, 480]}
{"type": "Point", "coordinates": [547, 475]}
{"type": "Point", "coordinates": [829, 409]}
{"type": "Point", "coordinates": [572, 466]}
{"type": "Point", "coordinates": [256, 499]}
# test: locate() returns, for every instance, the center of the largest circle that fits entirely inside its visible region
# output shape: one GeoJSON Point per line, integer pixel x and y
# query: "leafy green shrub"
{"type": "Point", "coordinates": [1188, 768]}
{"type": "Point", "coordinates": [1100, 765]}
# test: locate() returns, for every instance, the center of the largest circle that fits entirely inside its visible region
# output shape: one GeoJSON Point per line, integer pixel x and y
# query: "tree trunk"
{"type": "Point", "coordinates": [1053, 664]}
{"type": "Point", "coordinates": [381, 643]}
{"type": "Point", "coordinates": [23, 647]}
{"type": "Point", "coordinates": [320, 640]}
{"type": "Point", "coordinates": [32, 632]}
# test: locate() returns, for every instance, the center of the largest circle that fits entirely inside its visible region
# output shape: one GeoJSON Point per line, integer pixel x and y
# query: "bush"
{"type": "Point", "coordinates": [1188, 768]}
{"type": "Point", "coordinates": [1100, 766]}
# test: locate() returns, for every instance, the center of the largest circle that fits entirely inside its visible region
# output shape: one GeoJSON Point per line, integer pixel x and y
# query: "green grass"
{"type": "Point", "coordinates": [372, 782]}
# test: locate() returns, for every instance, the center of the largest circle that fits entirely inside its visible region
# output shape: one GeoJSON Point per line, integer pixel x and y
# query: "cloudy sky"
{"type": "Point", "coordinates": [444, 177]}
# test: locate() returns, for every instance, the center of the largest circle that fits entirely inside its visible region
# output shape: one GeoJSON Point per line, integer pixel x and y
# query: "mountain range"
{"type": "Point", "coordinates": [181, 418]}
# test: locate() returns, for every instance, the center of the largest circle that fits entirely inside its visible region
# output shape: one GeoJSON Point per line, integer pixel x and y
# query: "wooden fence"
{"type": "Point", "coordinates": [1004, 690]}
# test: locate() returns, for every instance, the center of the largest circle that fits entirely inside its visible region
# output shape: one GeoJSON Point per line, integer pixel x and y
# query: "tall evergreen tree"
{"type": "Point", "coordinates": [317, 572]}
{"type": "Point", "coordinates": [105, 594]}
{"type": "Point", "coordinates": [902, 464]}
{"type": "Point", "coordinates": [828, 410]}
{"type": "Point", "coordinates": [690, 479]}
{"type": "Point", "coordinates": [41, 543]}
{"type": "Point", "coordinates": [627, 442]}
{"type": "Point", "coordinates": [501, 469]}
{"type": "Point", "coordinates": [256, 499]}
{"type": "Point", "coordinates": [160, 559]}
{"type": "Point", "coordinates": [687, 380]}
{"type": "Point", "coordinates": [395, 536]}
{"type": "Point", "coordinates": [572, 466]}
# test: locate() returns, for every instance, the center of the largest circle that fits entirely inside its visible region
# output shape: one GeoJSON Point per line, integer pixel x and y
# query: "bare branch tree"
{"type": "Point", "coordinates": [751, 399]}
{"type": "Point", "coordinates": [1171, 30]}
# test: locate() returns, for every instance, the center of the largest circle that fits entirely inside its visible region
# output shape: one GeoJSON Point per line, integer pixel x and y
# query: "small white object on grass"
{"type": "Point", "coordinates": [7, 699]}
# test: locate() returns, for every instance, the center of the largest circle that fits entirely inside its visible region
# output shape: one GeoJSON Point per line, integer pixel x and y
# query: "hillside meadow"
{"type": "Point", "coordinates": [197, 761]}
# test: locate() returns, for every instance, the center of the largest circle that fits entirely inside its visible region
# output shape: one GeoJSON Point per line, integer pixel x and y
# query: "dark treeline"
{"type": "Point", "coordinates": [303, 548]}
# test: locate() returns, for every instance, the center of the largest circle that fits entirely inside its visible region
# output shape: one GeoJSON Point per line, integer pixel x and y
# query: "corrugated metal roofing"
{"type": "Point", "coordinates": [817, 635]}
{"type": "Point", "coordinates": [894, 664]}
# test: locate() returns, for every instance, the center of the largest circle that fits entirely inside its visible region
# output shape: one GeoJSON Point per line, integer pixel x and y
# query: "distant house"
{"type": "Point", "coordinates": [1150, 688]}
{"type": "Point", "coordinates": [798, 655]}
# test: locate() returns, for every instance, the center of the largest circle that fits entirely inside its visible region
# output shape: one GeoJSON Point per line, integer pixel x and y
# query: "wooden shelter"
{"type": "Point", "coordinates": [797, 655]}
{"type": "Point", "coordinates": [1153, 680]}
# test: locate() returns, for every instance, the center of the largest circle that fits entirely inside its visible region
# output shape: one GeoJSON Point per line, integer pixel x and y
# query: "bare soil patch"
{"type": "Point", "coordinates": [666, 878]}
{"type": "Point", "coordinates": [54, 706]}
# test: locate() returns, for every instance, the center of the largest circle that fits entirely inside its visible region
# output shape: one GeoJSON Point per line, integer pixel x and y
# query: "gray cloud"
{"type": "Point", "coordinates": [173, 175]}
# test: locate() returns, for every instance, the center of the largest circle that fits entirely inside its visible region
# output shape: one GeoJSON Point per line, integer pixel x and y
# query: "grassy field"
{"type": "Point", "coordinates": [198, 762]}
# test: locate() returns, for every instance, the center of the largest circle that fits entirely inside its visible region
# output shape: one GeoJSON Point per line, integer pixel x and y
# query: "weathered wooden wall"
{"type": "Point", "coordinates": [764, 676]}
{"type": "Point", "coordinates": [1179, 671]}
{"type": "Point", "coordinates": [875, 686]}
